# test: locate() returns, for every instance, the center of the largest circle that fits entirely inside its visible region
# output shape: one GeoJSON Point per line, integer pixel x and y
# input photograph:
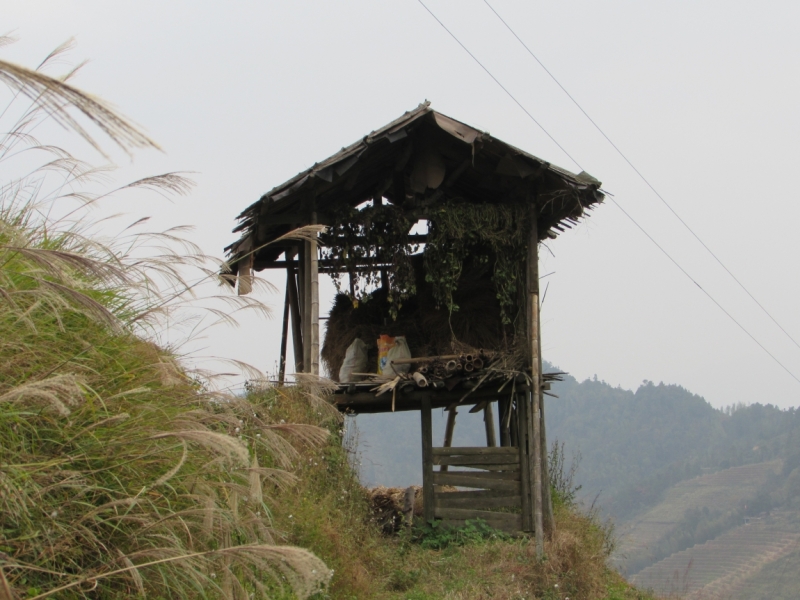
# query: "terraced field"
{"type": "Point", "coordinates": [779, 580]}
{"type": "Point", "coordinates": [720, 568]}
{"type": "Point", "coordinates": [722, 490]}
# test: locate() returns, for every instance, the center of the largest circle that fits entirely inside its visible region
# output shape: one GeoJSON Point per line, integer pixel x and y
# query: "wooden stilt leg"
{"type": "Point", "coordinates": [448, 433]}
{"type": "Point", "coordinates": [547, 498]}
{"type": "Point", "coordinates": [297, 327]}
{"type": "Point", "coordinates": [488, 421]}
{"type": "Point", "coordinates": [427, 460]}
{"type": "Point", "coordinates": [535, 362]}
{"type": "Point", "coordinates": [314, 302]}
{"type": "Point", "coordinates": [519, 419]}
{"type": "Point", "coordinates": [285, 331]}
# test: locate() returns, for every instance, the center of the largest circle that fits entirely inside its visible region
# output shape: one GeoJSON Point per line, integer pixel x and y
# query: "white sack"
{"type": "Point", "coordinates": [355, 361]}
{"type": "Point", "coordinates": [399, 350]}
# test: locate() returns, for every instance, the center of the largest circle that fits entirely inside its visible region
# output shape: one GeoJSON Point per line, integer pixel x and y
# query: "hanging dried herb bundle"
{"type": "Point", "coordinates": [484, 232]}
{"type": "Point", "coordinates": [376, 236]}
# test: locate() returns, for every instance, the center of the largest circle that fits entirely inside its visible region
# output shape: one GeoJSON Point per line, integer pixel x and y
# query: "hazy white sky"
{"type": "Point", "coordinates": [701, 96]}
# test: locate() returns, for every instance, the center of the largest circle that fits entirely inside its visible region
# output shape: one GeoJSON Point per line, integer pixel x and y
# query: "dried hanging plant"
{"type": "Point", "coordinates": [485, 232]}
{"type": "Point", "coordinates": [376, 236]}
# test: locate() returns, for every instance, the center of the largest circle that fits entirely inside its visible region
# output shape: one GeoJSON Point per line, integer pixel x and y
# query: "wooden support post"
{"type": "Point", "coordinates": [524, 462]}
{"type": "Point", "coordinates": [448, 433]}
{"type": "Point", "coordinates": [285, 330]}
{"type": "Point", "coordinates": [515, 422]}
{"type": "Point", "coordinates": [547, 497]}
{"type": "Point", "coordinates": [503, 408]}
{"type": "Point", "coordinates": [488, 421]}
{"type": "Point", "coordinates": [305, 303]}
{"type": "Point", "coordinates": [297, 327]}
{"type": "Point", "coordinates": [301, 304]}
{"type": "Point", "coordinates": [534, 412]}
{"type": "Point", "coordinates": [426, 419]}
{"type": "Point", "coordinates": [314, 301]}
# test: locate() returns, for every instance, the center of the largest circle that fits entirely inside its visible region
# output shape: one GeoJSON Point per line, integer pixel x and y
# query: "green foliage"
{"type": "Point", "coordinates": [437, 536]}
{"type": "Point", "coordinates": [377, 233]}
{"type": "Point", "coordinates": [483, 232]}
{"type": "Point", "coordinates": [457, 232]}
{"type": "Point", "coordinates": [401, 580]}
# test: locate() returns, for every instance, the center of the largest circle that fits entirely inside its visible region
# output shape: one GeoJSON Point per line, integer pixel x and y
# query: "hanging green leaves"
{"type": "Point", "coordinates": [364, 242]}
{"type": "Point", "coordinates": [484, 232]}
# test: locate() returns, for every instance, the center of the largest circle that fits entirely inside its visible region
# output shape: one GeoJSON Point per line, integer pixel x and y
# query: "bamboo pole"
{"type": "Point", "coordinates": [534, 415]}
{"type": "Point", "coordinates": [301, 304]}
{"type": "Point", "coordinates": [314, 301]}
{"type": "Point", "coordinates": [514, 421]}
{"type": "Point", "coordinates": [305, 303]}
{"type": "Point", "coordinates": [424, 359]}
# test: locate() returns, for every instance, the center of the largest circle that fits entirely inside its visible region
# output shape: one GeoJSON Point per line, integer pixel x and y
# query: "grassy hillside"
{"type": "Point", "coordinates": [121, 474]}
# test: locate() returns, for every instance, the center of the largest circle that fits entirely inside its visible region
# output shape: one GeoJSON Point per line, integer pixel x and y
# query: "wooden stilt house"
{"type": "Point", "coordinates": [432, 233]}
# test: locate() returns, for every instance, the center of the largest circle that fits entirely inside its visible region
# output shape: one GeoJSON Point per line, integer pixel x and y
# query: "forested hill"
{"type": "Point", "coordinates": [635, 445]}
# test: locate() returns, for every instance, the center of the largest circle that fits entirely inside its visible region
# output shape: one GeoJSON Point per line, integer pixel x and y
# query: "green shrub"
{"type": "Point", "coordinates": [436, 535]}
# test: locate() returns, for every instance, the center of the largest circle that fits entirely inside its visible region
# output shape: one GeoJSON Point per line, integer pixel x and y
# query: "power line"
{"type": "Point", "coordinates": [497, 81]}
{"type": "Point", "coordinates": [702, 289]}
{"type": "Point", "coordinates": [642, 177]}
{"type": "Point", "coordinates": [642, 229]}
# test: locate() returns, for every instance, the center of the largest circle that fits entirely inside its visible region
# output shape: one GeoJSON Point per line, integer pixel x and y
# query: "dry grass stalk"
{"type": "Point", "coordinates": [111, 450]}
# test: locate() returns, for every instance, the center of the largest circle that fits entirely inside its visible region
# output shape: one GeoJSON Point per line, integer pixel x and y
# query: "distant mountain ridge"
{"type": "Point", "coordinates": [635, 445]}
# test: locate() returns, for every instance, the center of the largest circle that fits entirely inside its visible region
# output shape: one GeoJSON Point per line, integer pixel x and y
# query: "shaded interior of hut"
{"type": "Point", "coordinates": [455, 297]}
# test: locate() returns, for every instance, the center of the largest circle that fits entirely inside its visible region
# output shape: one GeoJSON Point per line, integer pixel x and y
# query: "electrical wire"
{"type": "Point", "coordinates": [642, 177]}
{"type": "Point", "coordinates": [702, 289]}
{"type": "Point", "coordinates": [497, 81]}
{"type": "Point", "coordinates": [642, 229]}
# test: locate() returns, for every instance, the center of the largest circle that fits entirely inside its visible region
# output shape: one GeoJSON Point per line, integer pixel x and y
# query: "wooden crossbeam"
{"type": "Point", "coordinates": [445, 501]}
{"type": "Point", "coordinates": [475, 459]}
{"type": "Point", "coordinates": [507, 451]}
{"type": "Point", "coordinates": [471, 480]}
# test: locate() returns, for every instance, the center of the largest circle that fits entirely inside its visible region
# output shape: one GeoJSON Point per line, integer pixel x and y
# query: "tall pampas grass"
{"type": "Point", "coordinates": [122, 473]}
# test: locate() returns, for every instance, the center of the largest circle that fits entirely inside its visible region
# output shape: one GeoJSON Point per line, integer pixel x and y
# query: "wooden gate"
{"type": "Point", "coordinates": [493, 473]}
{"type": "Point", "coordinates": [497, 479]}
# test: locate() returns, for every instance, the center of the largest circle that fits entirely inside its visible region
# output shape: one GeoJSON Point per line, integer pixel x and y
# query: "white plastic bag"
{"type": "Point", "coordinates": [399, 350]}
{"type": "Point", "coordinates": [355, 361]}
